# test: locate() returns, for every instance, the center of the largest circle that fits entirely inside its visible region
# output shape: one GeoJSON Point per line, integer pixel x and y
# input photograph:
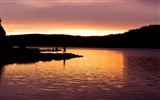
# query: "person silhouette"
{"type": "Point", "coordinates": [56, 49]}
{"type": "Point", "coordinates": [64, 49]}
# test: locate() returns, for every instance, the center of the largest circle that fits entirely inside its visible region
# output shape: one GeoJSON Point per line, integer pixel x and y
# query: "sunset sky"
{"type": "Point", "coordinates": [77, 17]}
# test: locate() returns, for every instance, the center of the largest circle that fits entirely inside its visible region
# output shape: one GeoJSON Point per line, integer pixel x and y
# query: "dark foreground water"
{"type": "Point", "coordinates": [102, 74]}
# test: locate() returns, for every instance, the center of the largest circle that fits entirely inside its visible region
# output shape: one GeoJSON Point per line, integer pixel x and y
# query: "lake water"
{"type": "Point", "coordinates": [102, 74]}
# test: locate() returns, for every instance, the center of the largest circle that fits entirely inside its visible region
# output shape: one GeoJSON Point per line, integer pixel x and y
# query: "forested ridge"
{"type": "Point", "coordinates": [144, 37]}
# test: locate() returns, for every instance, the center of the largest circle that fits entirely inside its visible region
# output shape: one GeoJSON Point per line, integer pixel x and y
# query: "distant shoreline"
{"type": "Point", "coordinates": [144, 37]}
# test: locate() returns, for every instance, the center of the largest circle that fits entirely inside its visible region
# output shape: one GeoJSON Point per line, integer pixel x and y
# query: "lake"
{"type": "Point", "coordinates": [102, 74]}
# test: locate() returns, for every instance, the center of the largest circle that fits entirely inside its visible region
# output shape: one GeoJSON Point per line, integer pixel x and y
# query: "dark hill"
{"type": "Point", "coordinates": [144, 37]}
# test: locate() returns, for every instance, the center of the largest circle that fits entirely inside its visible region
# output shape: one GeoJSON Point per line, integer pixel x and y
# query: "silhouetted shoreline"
{"type": "Point", "coordinates": [9, 54]}
{"type": "Point", "coordinates": [144, 37]}
{"type": "Point", "coordinates": [32, 55]}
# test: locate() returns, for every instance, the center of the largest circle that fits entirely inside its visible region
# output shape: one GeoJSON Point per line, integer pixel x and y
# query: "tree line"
{"type": "Point", "coordinates": [144, 37]}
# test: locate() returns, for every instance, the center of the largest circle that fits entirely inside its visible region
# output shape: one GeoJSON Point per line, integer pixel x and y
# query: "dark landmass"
{"type": "Point", "coordinates": [144, 37]}
{"type": "Point", "coordinates": [27, 55]}
{"type": "Point", "coordinates": [9, 54]}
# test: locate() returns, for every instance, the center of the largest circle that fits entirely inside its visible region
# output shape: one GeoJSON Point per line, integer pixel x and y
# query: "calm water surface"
{"type": "Point", "coordinates": [102, 74]}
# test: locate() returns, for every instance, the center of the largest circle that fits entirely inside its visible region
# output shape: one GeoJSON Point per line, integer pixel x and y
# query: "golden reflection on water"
{"type": "Point", "coordinates": [100, 74]}
{"type": "Point", "coordinates": [107, 66]}
{"type": "Point", "coordinates": [98, 71]}
{"type": "Point", "coordinates": [98, 68]}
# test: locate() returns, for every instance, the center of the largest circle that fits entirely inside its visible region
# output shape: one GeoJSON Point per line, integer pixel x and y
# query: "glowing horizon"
{"type": "Point", "coordinates": [63, 28]}
{"type": "Point", "coordinates": [76, 17]}
{"type": "Point", "coordinates": [69, 32]}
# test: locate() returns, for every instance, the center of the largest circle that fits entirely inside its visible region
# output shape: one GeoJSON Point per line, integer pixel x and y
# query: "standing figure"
{"type": "Point", "coordinates": [64, 49]}
{"type": "Point", "coordinates": [56, 49]}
